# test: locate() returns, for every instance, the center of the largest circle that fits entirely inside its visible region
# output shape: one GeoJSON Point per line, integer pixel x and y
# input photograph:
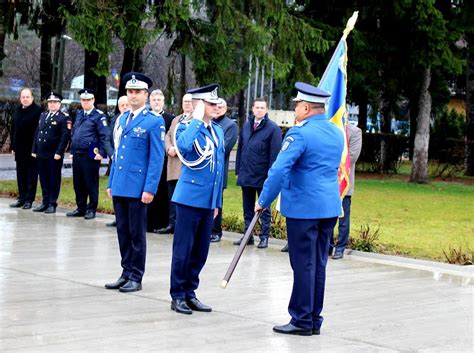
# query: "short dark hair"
{"type": "Point", "coordinates": [260, 99]}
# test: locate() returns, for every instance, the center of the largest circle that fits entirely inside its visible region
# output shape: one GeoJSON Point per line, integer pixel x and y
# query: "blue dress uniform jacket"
{"type": "Point", "coordinates": [52, 135]}
{"type": "Point", "coordinates": [197, 194]}
{"type": "Point", "coordinates": [306, 171]}
{"type": "Point", "coordinates": [200, 188]}
{"type": "Point", "coordinates": [138, 160]}
{"type": "Point", "coordinates": [91, 130]}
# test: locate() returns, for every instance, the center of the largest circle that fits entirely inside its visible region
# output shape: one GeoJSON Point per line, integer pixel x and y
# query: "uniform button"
{"type": "Point", "coordinates": [125, 136]}
{"type": "Point", "coordinates": [41, 132]}
{"type": "Point", "coordinates": [192, 181]}
{"type": "Point", "coordinates": [120, 167]}
{"type": "Point", "coordinates": [123, 146]}
{"type": "Point", "coordinates": [140, 170]}
{"type": "Point", "coordinates": [121, 157]}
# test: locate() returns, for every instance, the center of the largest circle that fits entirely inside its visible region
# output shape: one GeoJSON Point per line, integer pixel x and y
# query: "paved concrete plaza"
{"type": "Point", "coordinates": [53, 269]}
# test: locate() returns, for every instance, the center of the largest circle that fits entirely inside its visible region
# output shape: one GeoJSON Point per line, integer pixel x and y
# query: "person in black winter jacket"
{"type": "Point", "coordinates": [24, 125]}
{"type": "Point", "coordinates": [258, 147]}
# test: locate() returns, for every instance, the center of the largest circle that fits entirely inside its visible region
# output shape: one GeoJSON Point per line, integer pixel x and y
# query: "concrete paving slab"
{"type": "Point", "coordinates": [52, 272]}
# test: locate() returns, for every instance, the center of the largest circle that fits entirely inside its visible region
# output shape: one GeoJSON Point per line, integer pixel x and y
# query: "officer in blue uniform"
{"type": "Point", "coordinates": [134, 177]}
{"type": "Point", "coordinates": [198, 196]}
{"type": "Point", "coordinates": [305, 172]}
{"type": "Point", "coordinates": [90, 144]}
{"type": "Point", "coordinates": [51, 139]}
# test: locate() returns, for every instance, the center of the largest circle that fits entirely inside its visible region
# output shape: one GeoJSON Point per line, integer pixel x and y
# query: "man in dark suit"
{"type": "Point", "coordinates": [134, 177]}
{"type": "Point", "coordinates": [25, 122]}
{"type": "Point", "coordinates": [51, 139]}
{"type": "Point", "coordinates": [259, 143]}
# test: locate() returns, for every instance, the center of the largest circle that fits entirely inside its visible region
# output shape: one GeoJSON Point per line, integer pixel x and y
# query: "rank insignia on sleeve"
{"type": "Point", "coordinates": [287, 143]}
{"type": "Point", "coordinates": [162, 136]}
{"type": "Point", "coordinates": [104, 121]}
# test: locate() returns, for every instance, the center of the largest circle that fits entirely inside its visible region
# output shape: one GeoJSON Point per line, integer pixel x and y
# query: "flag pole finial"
{"type": "Point", "coordinates": [350, 24]}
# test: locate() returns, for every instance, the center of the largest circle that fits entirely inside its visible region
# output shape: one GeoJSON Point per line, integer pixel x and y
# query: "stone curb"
{"type": "Point", "coordinates": [437, 268]}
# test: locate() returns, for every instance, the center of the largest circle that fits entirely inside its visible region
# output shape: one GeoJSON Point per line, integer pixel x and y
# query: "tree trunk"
{"type": "Point", "coordinates": [242, 112]}
{"type": "Point", "coordinates": [46, 70]}
{"type": "Point", "coordinates": [3, 32]}
{"type": "Point", "coordinates": [384, 163]}
{"type": "Point", "coordinates": [132, 61]}
{"type": "Point", "coordinates": [419, 170]}
{"type": "Point", "coordinates": [414, 104]}
{"type": "Point", "coordinates": [469, 158]}
{"type": "Point", "coordinates": [91, 80]}
{"type": "Point", "coordinates": [138, 60]}
{"type": "Point", "coordinates": [182, 82]}
{"type": "Point", "coordinates": [362, 123]}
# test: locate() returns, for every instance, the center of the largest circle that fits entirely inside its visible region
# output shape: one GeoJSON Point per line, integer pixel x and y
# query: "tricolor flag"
{"type": "Point", "coordinates": [334, 80]}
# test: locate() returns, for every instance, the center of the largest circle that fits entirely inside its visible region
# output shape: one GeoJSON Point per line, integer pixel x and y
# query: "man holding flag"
{"type": "Point", "coordinates": [311, 173]}
{"type": "Point", "coordinates": [305, 172]}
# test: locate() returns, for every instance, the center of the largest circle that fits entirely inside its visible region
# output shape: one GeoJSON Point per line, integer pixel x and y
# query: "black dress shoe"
{"type": "Point", "coordinates": [16, 204]}
{"type": "Point", "coordinates": [215, 238]}
{"type": "Point", "coordinates": [167, 230]}
{"type": "Point", "coordinates": [75, 213]}
{"type": "Point", "coordinates": [250, 242]}
{"type": "Point", "coordinates": [289, 329]}
{"type": "Point", "coordinates": [196, 305]}
{"type": "Point", "coordinates": [40, 208]}
{"type": "Point", "coordinates": [111, 224]}
{"type": "Point", "coordinates": [180, 306]}
{"type": "Point", "coordinates": [316, 331]}
{"type": "Point", "coordinates": [263, 243]}
{"type": "Point", "coordinates": [27, 205]}
{"type": "Point", "coordinates": [338, 255]}
{"type": "Point", "coordinates": [285, 248]}
{"type": "Point", "coordinates": [130, 286]}
{"type": "Point", "coordinates": [117, 284]}
{"type": "Point", "coordinates": [50, 209]}
{"type": "Point", "coordinates": [89, 215]}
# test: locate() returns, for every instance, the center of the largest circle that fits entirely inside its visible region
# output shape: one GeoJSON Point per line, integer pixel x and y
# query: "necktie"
{"type": "Point", "coordinates": [129, 120]}
{"type": "Point", "coordinates": [209, 129]}
{"type": "Point", "coordinates": [255, 125]}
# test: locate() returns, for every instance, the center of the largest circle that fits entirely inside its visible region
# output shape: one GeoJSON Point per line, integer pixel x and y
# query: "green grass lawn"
{"type": "Point", "coordinates": [415, 220]}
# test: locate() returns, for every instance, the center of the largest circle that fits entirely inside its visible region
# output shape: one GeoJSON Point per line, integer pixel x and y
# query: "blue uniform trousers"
{"type": "Point", "coordinates": [130, 214]}
{"type": "Point", "coordinates": [344, 227]}
{"type": "Point", "coordinates": [248, 199]}
{"type": "Point", "coordinates": [85, 174]}
{"type": "Point", "coordinates": [190, 248]}
{"type": "Point", "coordinates": [308, 244]}
{"type": "Point", "coordinates": [50, 178]}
